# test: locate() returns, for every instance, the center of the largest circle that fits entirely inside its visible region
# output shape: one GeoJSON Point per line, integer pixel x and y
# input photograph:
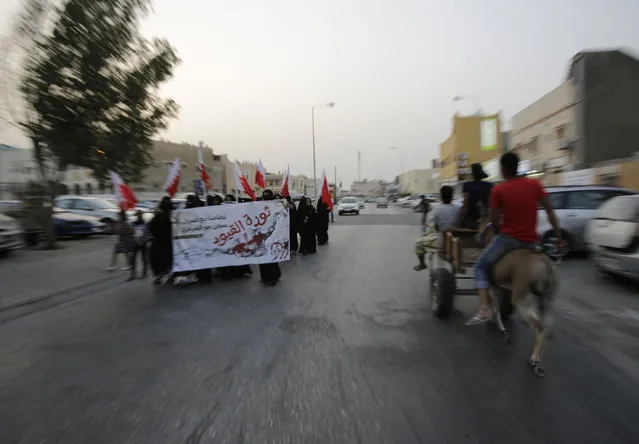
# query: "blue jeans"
{"type": "Point", "coordinates": [498, 247]}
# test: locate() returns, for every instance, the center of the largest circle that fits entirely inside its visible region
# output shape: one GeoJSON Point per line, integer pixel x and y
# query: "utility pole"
{"type": "Point", "coordinates": [359, 166]}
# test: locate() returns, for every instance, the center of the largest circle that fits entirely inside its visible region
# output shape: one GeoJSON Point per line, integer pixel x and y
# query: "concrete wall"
{"type": "Point", "coordinates": [611, 98]}
{"type": "Point", "coordinates": [423, 181]}
{"type": "Point", "coordinates": [539, 130]}
{"type": "Point", "coordinates": [624, 174]}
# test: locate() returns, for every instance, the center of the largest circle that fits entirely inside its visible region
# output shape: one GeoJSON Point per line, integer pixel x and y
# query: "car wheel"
{"type": "Point", "coordinates": [109, 226]}
{"type": "Point", "coordinates": [341, 213]}
{"type": "Point", "coordinates": [357, 213]}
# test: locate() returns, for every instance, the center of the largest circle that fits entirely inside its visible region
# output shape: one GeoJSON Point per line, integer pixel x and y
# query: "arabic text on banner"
{"type": "Point", "coordinates": [230, 235]}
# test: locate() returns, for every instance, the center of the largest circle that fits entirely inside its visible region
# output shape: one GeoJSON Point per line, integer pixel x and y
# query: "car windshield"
{"type": "Point", "coordinates": [104, 204]}
{"type": "Point", "coordinates": [349, 200]}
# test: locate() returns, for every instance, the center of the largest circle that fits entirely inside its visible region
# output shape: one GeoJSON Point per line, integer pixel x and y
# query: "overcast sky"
{"type": "Point", "coordinates": [252, 69]}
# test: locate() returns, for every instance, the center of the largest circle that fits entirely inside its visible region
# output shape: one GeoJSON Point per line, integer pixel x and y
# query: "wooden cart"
{"type": "Point", "coordinates": [453, 264]}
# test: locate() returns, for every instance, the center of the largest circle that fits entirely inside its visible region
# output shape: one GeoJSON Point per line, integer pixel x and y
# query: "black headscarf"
{"type": "Point", "coordinates": [267, 195]}
{"type": "Point", "coordinates": [191, 201]}
{"type": "Point", "coordinates": [165, 206]}
{"type": "Point", "coordinates": [302, 207]}
{"type": "Point", "coordinates": [309, 206]}
{"type": "Point", "coordinates": [214, 200]}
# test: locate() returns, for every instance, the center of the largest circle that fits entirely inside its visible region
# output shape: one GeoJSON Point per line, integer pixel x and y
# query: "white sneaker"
{"type": "Point", "coordinates": [126, 268]}
{"type": "Point", "coordinates": [110, 268]}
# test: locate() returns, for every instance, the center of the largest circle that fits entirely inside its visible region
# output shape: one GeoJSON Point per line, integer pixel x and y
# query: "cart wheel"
{"type": "Point", "coordinates": [442, 293]}
{"type": "Point", "coordinates": [506, 307]}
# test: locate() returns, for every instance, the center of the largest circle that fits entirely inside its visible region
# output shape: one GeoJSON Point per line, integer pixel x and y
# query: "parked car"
{"type": "Point", "coordinates": [410, 201]}
{"type": "Point", "coordinates": [27, 216]}
{"type": "Point", "coordinates": [11, 234]}
{"type": "Point", "coordinates": [613, 236]}
{"type": "Point", "coordinates": [67, 224]}
{"type": "Point", "coordinates": [348, 205]}
{"type": "Point", "coordinates": [361, 204]}
{"type": "Point", "coordinates": [382, 202]}
{"type": "Point", "coordinates": [575, 207]}
{"type": "Point", "coordinates": [106, 210]}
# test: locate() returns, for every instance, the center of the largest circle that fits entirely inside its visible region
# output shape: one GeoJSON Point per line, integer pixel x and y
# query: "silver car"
{"type": "Point", "coordinates": [574, 206]}
{"type": "Point", "coordinates": [11, 234]}
{"type": "Point", "coordinates": [613, 237]}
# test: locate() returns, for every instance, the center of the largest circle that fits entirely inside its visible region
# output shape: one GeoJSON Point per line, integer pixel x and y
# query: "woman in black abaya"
{"type": "Point", "coordinates": [293, 224]}
{"type": "Point", "coordinates": [323, 218]}
{"type": "Point", "coordinates": [161, 249]}
{"type": "Point", "coordinates": [302, 211]}
{"type": "Point", "coordinates": [270, 273]}
{"type": "Point", "coordinates": [309, 228]}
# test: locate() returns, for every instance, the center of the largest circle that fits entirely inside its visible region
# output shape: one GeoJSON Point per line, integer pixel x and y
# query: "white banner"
{"type": "Point", "coordinates": [230, 235]}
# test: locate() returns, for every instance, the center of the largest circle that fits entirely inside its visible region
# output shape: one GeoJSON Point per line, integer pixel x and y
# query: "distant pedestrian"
{"type": "Point", "coordinates": [293, 224]}
{"type": "Point", "coordinates": [309, 228]}
{"type": "Point", "coordinates": [323, 217]}
{"type": "Point", "coordinates": [125, 243]}
{"type": "Point", "coordinates": [161, 249]}
{"type": "Point", "coordinates": [141, 236]}
{"type": "Point", "coordinates": [424, 208]}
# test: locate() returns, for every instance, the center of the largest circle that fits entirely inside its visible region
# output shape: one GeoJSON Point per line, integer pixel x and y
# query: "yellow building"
{"type": "Point", "coordinates": [473, 139]}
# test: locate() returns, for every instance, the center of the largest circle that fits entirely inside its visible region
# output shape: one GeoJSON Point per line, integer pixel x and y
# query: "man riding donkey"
{"type": "Point", "coordinates": [510, 261]}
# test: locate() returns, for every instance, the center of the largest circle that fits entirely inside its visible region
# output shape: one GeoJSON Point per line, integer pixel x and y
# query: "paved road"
{"type": "Point", "coordinates": [343, 350]}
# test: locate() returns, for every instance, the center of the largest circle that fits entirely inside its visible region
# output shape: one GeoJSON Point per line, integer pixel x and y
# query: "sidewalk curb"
{"type": "Point", "coordinates": [58, 292]}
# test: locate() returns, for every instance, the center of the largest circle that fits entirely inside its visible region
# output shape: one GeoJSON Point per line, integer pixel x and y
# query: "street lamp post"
{"type": "Point", "coordinates": [322, 105]}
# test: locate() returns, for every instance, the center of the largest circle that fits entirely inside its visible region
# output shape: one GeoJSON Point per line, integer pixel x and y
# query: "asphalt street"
{"type": "Point", "coordinates": [343, 350]}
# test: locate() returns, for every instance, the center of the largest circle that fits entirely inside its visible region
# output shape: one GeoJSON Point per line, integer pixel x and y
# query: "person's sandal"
{"type": "Point", "coordinates": [477, 319]}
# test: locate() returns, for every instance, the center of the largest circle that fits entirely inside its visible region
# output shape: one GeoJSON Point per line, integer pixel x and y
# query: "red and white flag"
{"type": "Point", "coordinates": [241, 183]}
{"type": "Point", "coordinates": [124, 195]}
{"type": "Point", "coordinates": [260, 175]}
{"type": "Point", "coordinates": [285, 183]}
{"type": "Point", "coordinates": [201, 167]}
{"type": "Point", "coordinates": [326, 193]}
{"type": "Point", "coordinates": [172, 183]}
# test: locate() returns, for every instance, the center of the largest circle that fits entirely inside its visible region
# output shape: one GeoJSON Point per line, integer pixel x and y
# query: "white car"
{"type": "Point", "coordinates": [361, 203]}
{"type": "Point", "coordinates": [613, 236]}
{"type": "Point", "coordinates": [103, 209]}
{"type": "Point", "coordinates": [382, 202]}
{"type": "Point", "coordinates": [348, 205]}
{"type": "Point", "coordinates": [410, 201]}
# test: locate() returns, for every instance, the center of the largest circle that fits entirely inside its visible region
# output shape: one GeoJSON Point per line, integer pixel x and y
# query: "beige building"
{"type": "Point", "coordinates": [423, 181]}
{"type": "Point", "coordinates": [544, 131]}
{"type": "Point", "coordinates": [297, 185]}
{"type": "Point", "coordinates": [219, 167]}
{"type": "Point", "coordinates": [368, 188]}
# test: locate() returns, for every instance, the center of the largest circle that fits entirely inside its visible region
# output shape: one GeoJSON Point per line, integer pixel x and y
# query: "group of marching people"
{"type": "Point", "coordinates": [154, 243]}
{"type": "Point", "coordinates": [310, 223]}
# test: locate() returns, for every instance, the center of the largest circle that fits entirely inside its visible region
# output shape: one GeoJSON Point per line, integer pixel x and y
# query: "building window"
{"type": "Point", "coordinates": [560, 132]}
{"type": "Point", "coordinates": [532, 147]}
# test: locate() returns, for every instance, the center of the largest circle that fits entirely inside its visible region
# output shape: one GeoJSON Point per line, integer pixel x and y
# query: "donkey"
{"type": "Point", "coordinates": [531, 280]}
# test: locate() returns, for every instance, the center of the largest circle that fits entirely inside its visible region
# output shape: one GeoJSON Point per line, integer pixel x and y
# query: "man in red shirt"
{"type": "Point", "coordinates": [513, 206]}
